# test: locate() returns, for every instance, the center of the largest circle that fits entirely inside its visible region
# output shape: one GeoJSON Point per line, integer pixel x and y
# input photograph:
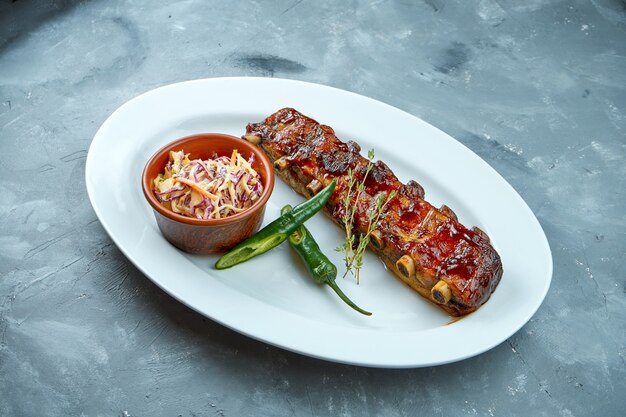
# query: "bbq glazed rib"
{"type": "Point", "coordinates": [450, 265]}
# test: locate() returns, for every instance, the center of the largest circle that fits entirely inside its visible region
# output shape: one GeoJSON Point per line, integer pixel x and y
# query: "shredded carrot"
{"type": "Point", "coordinates": [233, 159]}
{"type": "Point", "coordinates": [197, 188]}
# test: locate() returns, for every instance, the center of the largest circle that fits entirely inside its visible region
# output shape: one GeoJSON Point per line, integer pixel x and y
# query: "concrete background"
{"type": "Point", "coordinates": [536, 88]}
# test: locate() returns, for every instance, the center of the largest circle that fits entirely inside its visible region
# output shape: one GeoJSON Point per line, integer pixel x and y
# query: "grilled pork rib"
{"type": "Point", "coordinates": [450, 265]}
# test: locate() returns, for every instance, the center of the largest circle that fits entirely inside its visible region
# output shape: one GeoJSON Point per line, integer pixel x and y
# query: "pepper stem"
{"type": "Point", "coordinates": [332, 284]}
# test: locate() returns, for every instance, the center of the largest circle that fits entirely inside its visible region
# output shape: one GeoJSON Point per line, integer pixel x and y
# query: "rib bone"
{"type": "Point", "coordinates": [281, 163]}
{"type": "Point", "coordinates": [252, 138]}
{"type": "Point", "coordinates": [314, 187]}
{"type": "Point", "coordinates": [376, 238]}
{"type": "Point", "coordinates": [441, 292]}
{"type": "Point", "coordinates": [406, 266]}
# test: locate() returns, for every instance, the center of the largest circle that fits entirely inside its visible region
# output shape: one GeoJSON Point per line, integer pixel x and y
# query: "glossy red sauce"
{"type": "Point", "coordinates": [440, 245]}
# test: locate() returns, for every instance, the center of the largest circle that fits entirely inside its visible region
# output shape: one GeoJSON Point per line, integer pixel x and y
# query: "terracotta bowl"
{"type": "Point", "coordinates": [200, 236]}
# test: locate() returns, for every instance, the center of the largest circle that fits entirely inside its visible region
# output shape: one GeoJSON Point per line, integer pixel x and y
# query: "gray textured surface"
{"type": "Point", "coordinates": [537, 88]}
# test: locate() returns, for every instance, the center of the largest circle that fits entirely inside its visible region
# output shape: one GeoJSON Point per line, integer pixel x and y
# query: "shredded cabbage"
{"type": "Point", "coordinates": [209, 189]}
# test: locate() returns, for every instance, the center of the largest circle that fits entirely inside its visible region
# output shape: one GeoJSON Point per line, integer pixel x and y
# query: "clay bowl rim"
{"type": "Point", "coordinates": [238, 143]}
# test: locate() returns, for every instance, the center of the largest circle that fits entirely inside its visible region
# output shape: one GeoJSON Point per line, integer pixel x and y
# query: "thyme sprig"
{"type": "Point", "coordinates": [356, 243]}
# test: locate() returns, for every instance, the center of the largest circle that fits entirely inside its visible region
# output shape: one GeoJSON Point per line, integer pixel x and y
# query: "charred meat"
{"type": "Point", "coordinates": [426, 247]}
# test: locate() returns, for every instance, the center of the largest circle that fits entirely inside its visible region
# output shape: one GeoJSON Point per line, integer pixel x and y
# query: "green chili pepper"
{"type": "Point", "coordinates": [319, 266]}
{"type": "Point", "coordinates": [277, 231]}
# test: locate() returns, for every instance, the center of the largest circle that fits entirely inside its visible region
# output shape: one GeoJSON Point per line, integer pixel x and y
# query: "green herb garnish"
{"type": "Point", "coordinates": [356, 242]}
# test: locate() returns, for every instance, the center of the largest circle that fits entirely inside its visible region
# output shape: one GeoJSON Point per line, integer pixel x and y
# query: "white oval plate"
{"type": "Point", "coordinates": [271, 298]}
